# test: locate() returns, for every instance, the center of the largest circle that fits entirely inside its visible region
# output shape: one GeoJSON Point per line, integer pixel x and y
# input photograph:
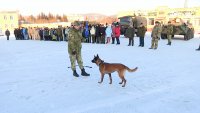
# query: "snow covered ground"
{"type": "Point", "coordinates": [34, 78]}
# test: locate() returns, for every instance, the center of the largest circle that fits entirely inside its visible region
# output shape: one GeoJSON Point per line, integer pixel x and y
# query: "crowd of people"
{"type": "Point", "coordinates": [98, 33]}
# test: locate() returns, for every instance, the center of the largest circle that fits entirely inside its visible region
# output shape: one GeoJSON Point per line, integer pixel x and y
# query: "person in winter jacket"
{"type": "Point", "coordinates": [156, 33]}
{"type": "Point", "coordinates": [92, 32]}
{"type": "Point", "coordinates": [117, 33]}
{"type": "Point", "coordinates": [108, 34]}
{"type": "Point", "coordinates": [102, 34]}
{"type": "Point", "coordinates": [141, 33]}
{"type": "Point", "coordinates": [113, 33]}
{"type": "Point", "coordinates": [130, 32]}
{"type": "Point", "coordinates": [74, 49]}
{"type": "Point", "coordinates": [7, 32]}
{"type": "Point", "coordinates": [97, 33]}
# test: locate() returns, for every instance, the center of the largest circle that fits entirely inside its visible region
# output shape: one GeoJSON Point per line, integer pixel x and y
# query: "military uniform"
{"type": "Point", "coordinates": [156, 33]}
{"type": "Point", "coordinates": [74, 50]}
{"type": "Point", "coordinates": [130, 32]}
{"type": "Point", "coordinates": [169, 33]}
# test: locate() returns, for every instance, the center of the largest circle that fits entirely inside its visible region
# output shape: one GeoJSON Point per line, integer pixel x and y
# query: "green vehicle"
{"type": "Point", "coordinates": [135, 21]}
{"type": "Point", "coordinates": [179, 28]}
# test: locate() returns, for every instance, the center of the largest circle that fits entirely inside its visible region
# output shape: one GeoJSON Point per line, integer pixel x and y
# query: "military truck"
{"type": "Point", "coordinates": [135, 21]}
{"type": "Point", "coordinates": [179, 28]}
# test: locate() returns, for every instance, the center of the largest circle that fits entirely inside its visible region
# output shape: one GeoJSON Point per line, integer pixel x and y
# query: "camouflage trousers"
{"type": "Point", "coordinates": [154, 42]}
{"type": "Point", "coordinates": [169, 37]}
{"type": "Point", "coordinates": [77, 57]}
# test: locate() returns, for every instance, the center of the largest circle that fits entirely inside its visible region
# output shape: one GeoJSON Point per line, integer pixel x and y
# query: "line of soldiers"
{"type": "Point", "coordinates": [156, 34]}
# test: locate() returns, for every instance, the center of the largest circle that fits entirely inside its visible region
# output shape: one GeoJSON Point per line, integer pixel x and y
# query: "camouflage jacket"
{"type": "Point", "coordinates": [156, 32]}
{"type": "Point", "coordinates": [74, 40]}
{"type": "Point", "coordinates": [169, 30]}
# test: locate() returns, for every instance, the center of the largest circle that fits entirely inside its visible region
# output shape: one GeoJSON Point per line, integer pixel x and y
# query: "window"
{"type": "Point", "coordinates": [11, 17]}
{"type": "Point", "coordinates": [5, 17]}
{"type": "Point", "coordinates": [151, 21]}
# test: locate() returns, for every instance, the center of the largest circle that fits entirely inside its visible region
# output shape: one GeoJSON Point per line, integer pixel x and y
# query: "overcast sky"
{"type": "Point", "coordinates": [107, 7]}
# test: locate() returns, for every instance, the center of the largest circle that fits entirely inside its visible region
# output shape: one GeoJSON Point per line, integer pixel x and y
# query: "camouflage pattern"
{"type": "Point", "coordinates": [156, 33]}
{"type": "Point", "coordinates": [74, 48]}
{"type": "Point", "coordinates": [169, 33]}
{"type": "Point", "coordinates": [179, 28]}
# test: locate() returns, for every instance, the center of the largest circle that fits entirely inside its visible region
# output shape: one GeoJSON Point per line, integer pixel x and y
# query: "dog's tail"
{"type": "Point", "coordinates": [132, 70]}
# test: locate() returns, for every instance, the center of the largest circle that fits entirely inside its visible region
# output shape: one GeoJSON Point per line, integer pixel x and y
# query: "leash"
{"type": "Point", "coordinates": [83, 66]}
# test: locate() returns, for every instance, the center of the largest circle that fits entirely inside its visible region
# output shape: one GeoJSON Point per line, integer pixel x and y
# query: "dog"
{"type": "Point", "coordinates": [108, 68]}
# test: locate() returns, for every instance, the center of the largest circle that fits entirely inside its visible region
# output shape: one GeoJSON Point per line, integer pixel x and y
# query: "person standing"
{"type": "Point", "coordinates": [74, 49]}
{"type": "Point", "coordinates": [130, 33]}
{"type": "Point", "coordinates": [117, 33]}
{"type": "Point", "coordinates": [92, 31]}
{"type": "Point", "coordinates": [156, 33]}
{"type": "Point", "coordinates": [169, 32]}
{"type": "Point", "coordinates": [141, 33]}
{"type": "Point", "coordinates": [108, 34]}
{"type": "Point", "coordinates": [7, 34]}
{"type": "Point", "coordinates": [113, 33]}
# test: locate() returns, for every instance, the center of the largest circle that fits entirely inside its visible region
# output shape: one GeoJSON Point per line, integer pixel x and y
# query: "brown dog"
{"type": "Point", "coordinates": [108, 68]}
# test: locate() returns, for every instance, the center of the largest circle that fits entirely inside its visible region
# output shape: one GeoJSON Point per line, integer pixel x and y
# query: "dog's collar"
{"type": "Point", "coordinates": [101, 62]}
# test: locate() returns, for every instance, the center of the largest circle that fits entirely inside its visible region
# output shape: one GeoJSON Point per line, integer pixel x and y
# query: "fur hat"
{"type": "Point", "coordinates": [75, 23]}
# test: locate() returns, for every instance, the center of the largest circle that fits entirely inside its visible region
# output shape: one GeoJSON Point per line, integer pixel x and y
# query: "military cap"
{"type": "Point", "coordinates": [169, 21]}
{"type": "Point", "coordinates": [157, 22]}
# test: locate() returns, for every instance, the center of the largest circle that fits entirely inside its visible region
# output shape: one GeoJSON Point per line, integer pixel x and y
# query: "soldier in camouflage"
{"type": "Point", "coordinates": [156, 33]}
{"type": "Point", "coordinates": [169, 33]}
{"type": "Point", "coordinates": [74, 49]}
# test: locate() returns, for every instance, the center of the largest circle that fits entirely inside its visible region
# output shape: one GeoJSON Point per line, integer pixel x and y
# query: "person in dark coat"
{"type": "Point", "coordinates": [7, 34]}
{"type": "Point", "coordinates": [97, 33]}
{"type": "Point", "coordinates": [102, 34]}
{"type": "Point", "coordinates": [130, 32]}
{"type": "Point", "coordinates": [141, 33]}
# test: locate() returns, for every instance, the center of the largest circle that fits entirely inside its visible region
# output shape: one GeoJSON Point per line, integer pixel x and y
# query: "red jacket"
{"type": "Point", "coordinates": [117, 31]}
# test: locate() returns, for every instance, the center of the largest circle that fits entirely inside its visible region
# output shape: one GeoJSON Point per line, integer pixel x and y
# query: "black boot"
{"type": "Point", "coordinates": [75, 73]}
{"type": "Point", "coordinates": [83, 73]}
{"type": "Point", "coordinates": [169, 43]}
{"type": "Point", "coordinates": [198, 48]}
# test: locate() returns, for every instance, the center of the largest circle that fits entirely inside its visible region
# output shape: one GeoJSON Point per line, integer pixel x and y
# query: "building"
{"type": "Point", "coordinates": [8, 20]}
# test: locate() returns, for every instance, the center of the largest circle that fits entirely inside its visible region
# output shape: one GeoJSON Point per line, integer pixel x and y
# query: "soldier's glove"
{"type": "Point", "coordinates": [73, 52]}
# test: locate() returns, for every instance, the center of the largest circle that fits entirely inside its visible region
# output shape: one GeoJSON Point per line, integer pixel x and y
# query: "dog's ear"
{"type": "Point", "coordinates": [97, 56]}
{"type": "Point", "coordinates": [94, 56]}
